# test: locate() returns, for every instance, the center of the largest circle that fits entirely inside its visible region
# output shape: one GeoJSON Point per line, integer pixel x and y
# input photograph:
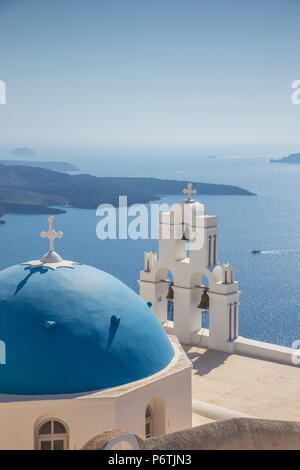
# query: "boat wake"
{"type": "Point", "coordinates": [278, 252]}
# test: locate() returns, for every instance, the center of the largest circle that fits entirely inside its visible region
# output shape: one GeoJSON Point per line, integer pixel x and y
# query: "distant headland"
{"type": "Point", "coordinates": [292, 158]}
{"type": "Point", "coordinates": [33, 190]}
{"type": "Point", "coordinates": [56, 166]}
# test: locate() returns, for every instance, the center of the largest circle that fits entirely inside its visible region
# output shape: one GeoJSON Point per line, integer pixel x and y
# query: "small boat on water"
{"type": "Point", "coordinates": [256, 252]}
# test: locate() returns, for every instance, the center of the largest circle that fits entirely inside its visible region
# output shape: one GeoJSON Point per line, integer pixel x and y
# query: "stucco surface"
{"type": "Point", "coordinates": [231, 434]}
{"type": "Point", "coordinates": [235, 434]}
{"type": "Point", "coordinates": [100, 442]}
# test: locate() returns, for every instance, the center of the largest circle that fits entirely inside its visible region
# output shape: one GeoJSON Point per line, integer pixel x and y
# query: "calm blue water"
{"type": "Point", "coordinates": [270, 282]}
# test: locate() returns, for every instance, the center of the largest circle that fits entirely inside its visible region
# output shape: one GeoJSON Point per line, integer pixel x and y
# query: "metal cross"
{"type": "Point", "coordinates": [189, 191]}
{"type": "Point", "coordinates": [51, 234]}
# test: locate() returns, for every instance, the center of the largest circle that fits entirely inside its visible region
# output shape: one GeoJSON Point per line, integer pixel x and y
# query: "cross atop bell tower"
{"type": "Point", "coordinates": [189, 191]}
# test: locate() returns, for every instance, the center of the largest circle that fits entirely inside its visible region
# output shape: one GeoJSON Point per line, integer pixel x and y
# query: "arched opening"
{"type": "Point", "coordinates": [200, 300]}
{"type": "Point", "coordinates": [52, 434]}
{"type": "Point", "coordinates": [170, 298]}
{"type": "Point", "coordinates": [164, 297]}
{"type": "Point", "coordinates": [155, 417]}
{"type": "Point", "coordinates": [148, 422]}
{"type": "Point", "coordinates": [205, 311]}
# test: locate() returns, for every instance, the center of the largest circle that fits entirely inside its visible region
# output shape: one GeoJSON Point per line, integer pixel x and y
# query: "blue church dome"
{"type": "Point", "coordinates": [75, 329]}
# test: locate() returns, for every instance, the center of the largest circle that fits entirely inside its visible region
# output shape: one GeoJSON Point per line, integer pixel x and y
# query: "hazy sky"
{"type": "Point", "coordinates": [214, 74]}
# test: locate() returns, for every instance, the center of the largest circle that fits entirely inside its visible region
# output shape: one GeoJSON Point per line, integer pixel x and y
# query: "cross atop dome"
{"type": "Point", "coordinates": [51, 234]}
{"type": "Point", "coordinates": [51, 259]}
{"type": "Point", "coordinates": [189, 191]}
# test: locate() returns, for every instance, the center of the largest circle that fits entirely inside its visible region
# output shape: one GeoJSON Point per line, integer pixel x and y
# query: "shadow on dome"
{"type": "Point", "coordinates": [26, 278]}
{"type": "Point", "coordinates": [114, 324]}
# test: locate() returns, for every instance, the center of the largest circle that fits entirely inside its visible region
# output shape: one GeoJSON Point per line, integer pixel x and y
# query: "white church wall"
{"type": "Point", "coordinates": [220, 336]}
{"type": "Point", "coordinates": [187, 317]}
{"type": "Point", "coordinates": [84, 418]}
{"type": "Point", "coordinates": [200, 338]}
{"type": "Point", "coordinates": [175, 397]}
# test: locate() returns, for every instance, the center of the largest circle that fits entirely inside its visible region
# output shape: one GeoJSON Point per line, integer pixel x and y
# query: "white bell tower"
{"type": "Point", "coordinates": [188, 249]}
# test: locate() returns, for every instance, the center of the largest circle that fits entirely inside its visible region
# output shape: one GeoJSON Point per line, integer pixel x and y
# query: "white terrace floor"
{"type": "Point", "coordinates": [262, 389]}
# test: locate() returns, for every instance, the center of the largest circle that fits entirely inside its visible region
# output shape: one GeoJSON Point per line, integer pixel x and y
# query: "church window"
{"type": "Point", "coordinates": [52, 435]}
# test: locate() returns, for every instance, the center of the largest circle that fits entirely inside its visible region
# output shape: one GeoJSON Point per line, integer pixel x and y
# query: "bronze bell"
{"type": "Point", "coordinates": [184, 237]}
{"type": "Point", "coordinates": [204, 302]}
{"type": "Point", "coordinates": [170, 294]}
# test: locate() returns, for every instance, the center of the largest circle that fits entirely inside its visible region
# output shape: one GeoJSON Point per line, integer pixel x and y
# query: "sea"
{"type": "Point", "coordinates": [269, 222]}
